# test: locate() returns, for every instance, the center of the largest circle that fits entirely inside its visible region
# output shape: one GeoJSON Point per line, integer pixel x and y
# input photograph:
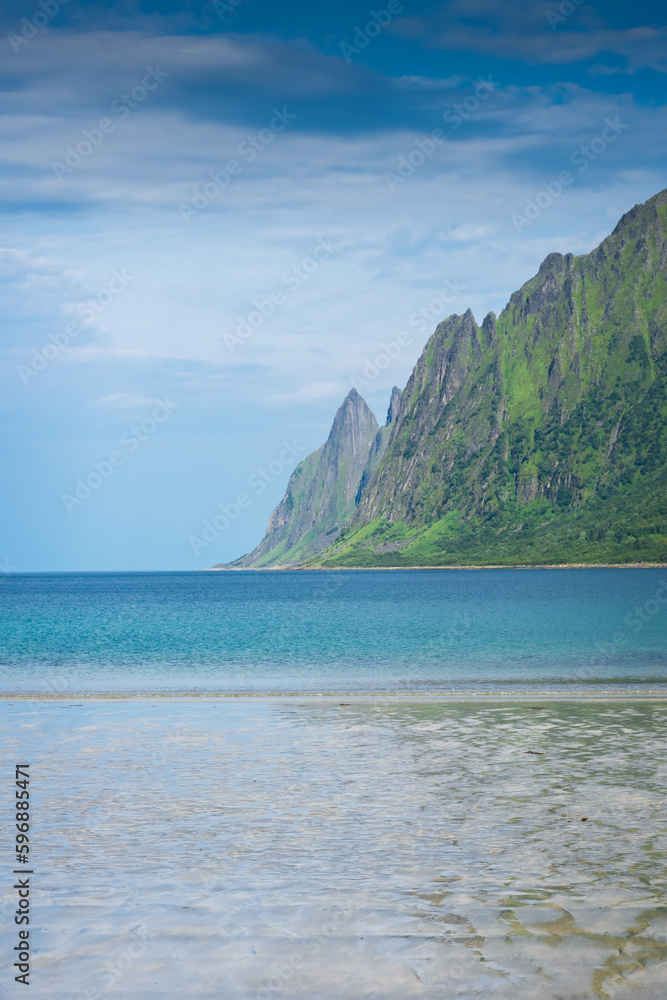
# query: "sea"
{"type": "Point", "coordinates": [576, 631]}
{"type": "Point", "coordinates": [400, 785]}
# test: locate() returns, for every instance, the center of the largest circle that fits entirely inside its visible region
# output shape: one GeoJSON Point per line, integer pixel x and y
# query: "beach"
{"type": "Point", "coordinates": [332, 848]}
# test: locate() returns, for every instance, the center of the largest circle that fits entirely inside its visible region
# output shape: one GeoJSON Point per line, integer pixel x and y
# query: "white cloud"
{"type": "Point", "coordinates": [123, 401]}
{"type": "Point", "coordinates": [192, 283]}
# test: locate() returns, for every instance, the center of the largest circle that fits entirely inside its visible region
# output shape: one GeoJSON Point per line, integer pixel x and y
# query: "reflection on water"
{"type": "Point", "coordinates": [367, 850]}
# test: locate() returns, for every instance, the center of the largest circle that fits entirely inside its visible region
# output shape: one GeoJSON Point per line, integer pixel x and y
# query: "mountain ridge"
{"type": "Point", "coordinates": [539, 436]}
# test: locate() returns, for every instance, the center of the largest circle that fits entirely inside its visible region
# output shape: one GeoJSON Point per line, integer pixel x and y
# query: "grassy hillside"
{"type": "Point", "coordinates": [629, 527]}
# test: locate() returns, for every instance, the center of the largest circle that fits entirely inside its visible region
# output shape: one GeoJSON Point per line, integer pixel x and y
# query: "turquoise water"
{"type": "Point", "coordinates": [319, 632]}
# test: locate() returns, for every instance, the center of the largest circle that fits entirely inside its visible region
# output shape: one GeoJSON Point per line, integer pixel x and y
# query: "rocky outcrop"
{"type": "Point", "coordinates": [322, 491]}
{"type": "Point", "coordinates": [381, 441]}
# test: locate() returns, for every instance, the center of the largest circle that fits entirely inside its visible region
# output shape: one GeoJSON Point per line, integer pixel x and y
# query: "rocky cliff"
{"type": "Point", "coordinates": [540, 435]}
{"type": "Point", "coordinates": [322, 492]}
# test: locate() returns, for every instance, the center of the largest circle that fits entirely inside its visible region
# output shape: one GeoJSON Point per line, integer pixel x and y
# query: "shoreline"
{"type": "Point", "coordinates": [482, 697]}
{"type": "Point", "coordinates": [371, 569]}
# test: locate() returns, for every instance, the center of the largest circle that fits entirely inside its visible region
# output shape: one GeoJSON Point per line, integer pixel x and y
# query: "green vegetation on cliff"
{"type": "Point", "coordinates": [323, 489]}
{"type": "Point", "coordinates": [630, 527]}
{"type": "Point", "coordinates": [541, 436]}
{"type": "Point", "coordinates": [538, 438]}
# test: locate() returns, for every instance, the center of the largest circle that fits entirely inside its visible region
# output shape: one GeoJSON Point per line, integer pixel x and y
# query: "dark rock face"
{"type": "Point", "coordinates": [394, 404]}
{"type": "Point", "coordinates": [381, 441]}
{"type": "Point", "coordinates": [442, 369]}
{"type": "Point", "coordinates": [321, 493]}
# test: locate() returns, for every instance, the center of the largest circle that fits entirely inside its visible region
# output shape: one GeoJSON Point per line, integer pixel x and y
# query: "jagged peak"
{"type": "Point", "coordinates": [353, 403]}
{"type": "Point", "coordinates": [353, 420]}
{"type": "Point", "coordinates": [489, 329]}
{"type": "Point", "coordinates": [639, 209]}
{"type": "Point", "coordinates": [556, 263]}
{"type": "Point", "coordinates": [468, 322]}
{"type": "Point", "coordinates": [463, 323]}
{"type": "Point", "coordinates": [394, 405]}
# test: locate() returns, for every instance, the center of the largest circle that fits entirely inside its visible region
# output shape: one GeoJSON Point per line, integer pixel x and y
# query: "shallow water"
{"type": "Point", "coordinates": [248, 632]}
{"type": "Point", "coordinates": [379, 849]}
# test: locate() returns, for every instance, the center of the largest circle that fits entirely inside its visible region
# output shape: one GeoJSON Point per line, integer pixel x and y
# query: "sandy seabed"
{"type": "Point", "coordinates": [370, 849]}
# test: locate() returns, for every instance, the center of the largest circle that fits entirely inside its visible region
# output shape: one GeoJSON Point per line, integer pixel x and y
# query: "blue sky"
{"type": "Point", "coordinates": [214, 217]}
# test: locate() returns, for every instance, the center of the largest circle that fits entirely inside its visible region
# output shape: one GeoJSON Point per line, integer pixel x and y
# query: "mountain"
{"type": "Point", "coordinates": [323, 490]}
{"type": "Point", "coordinates": [540, 436]}
{"type": "Point", "coordinates": [379, 445]}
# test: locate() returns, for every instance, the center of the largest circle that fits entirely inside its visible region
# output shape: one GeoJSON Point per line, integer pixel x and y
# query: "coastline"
{"type": "Point", "coordinates": [421, 697]}
{"type": "Point", "coordinates": [370, 569]}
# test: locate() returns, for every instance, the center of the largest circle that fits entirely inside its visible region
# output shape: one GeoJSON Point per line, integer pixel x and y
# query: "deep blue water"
{"type": "Point", "coordinates": [319, 632]}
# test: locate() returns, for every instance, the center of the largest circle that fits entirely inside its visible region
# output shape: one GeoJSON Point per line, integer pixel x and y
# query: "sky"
{"type": "Point", "coordinates": [216, 217]}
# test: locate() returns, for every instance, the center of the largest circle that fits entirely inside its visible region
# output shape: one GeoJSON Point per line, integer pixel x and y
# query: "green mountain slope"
{"type": "Point", "coordinates": [322, 491]}
{"type": "Point", "coordinates": [540, 436]}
